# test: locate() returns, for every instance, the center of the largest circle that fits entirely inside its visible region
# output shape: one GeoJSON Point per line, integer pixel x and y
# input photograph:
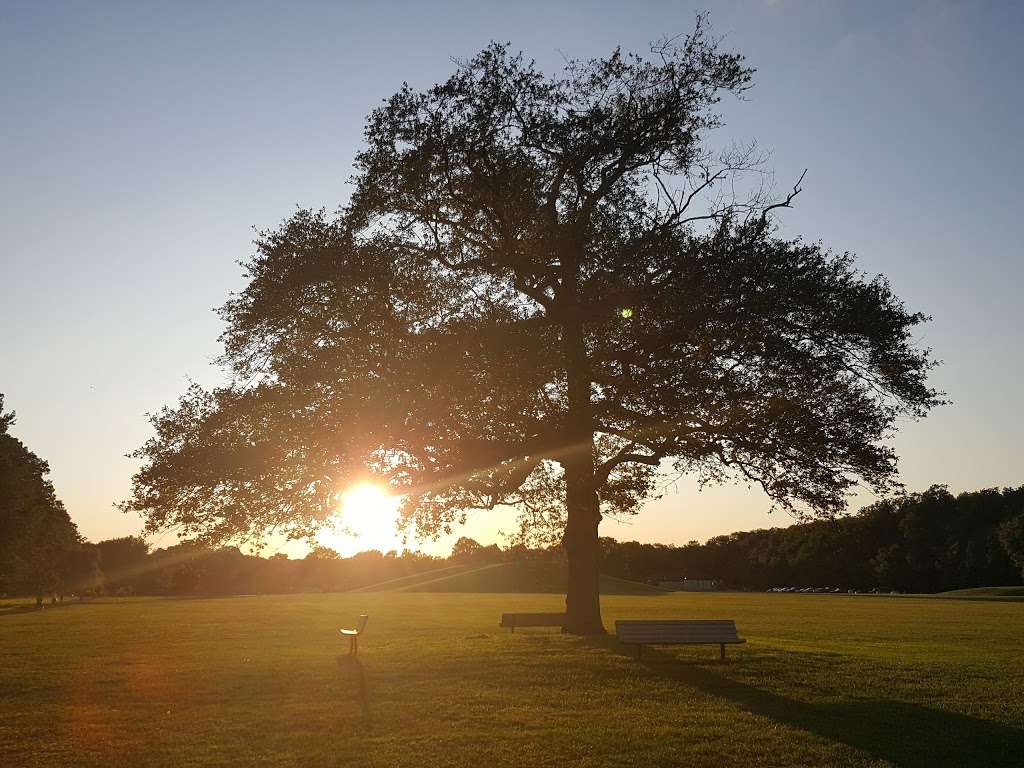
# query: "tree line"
{"type": "Point", "coordinates": [922, 542]}
{"type": "Point", "coordinates": [926, 542]}
{"type": "Point", "coordinates": [127, 566]}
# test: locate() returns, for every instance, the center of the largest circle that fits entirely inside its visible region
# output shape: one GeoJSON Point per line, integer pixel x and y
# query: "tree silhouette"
{"type": "Point", "coordinates": [1011, 536]}
{"type": "Point", "coordinates": [36, 533]}
{"type": "Point", "coordinates": [123, 561]}
{"type": "Point", "coordinates": [466, 549]}
{"type": "Point", "coordinates": [80, 571]}
{"type": "Point", "coordinates": [543, 291]}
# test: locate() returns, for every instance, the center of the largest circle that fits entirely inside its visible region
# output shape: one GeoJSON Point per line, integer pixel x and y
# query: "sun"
{"type": "Point", "coordinates": [366, 520]}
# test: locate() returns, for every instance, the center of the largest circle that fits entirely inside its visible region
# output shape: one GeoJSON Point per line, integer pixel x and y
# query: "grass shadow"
{"type": "Point", "coordinates": [14, 608]}
{"type": "Point", "coordinates": [353, 675]}
{"type": "Point", "coordinates": [11, 610]}
{"type": "Point", "coordinates": [907, 734]}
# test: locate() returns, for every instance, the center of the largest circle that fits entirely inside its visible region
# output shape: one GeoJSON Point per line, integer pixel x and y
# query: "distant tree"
{"type": "Point", "coordinates": [184, 568]}
{"type": "Point", "coordinates": [542, 292]}
{"type": "Point", "coordinates": [471, 551]}
{"type": "Point", "coordinates": [323, 569]}
{"type": "Point", "coordinates": [466, 548]}
{"type": "Point", "coordinates": [79, 571]}
{"type": "Point", "coordinates": [46, 541]}
{"type": "Point", "coordinates": [35, 529]}
{"type": "Point", "coordinates": [491, 554]}
{"type": "Point", "coordinates": [1011, 536]}
{"type": "Point", "coordinates": [11, 494]}
{"type": "Point", "coordinates": [919, 542]}
{"type": "Point", "coordinates": [518, 552]}
{"type": "Point", "coordinates": [320, 552]}
{"type": "Point", "coordinates": [125, 564]}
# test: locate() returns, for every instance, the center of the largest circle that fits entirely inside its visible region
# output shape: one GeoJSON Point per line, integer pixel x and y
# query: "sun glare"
{"type": "Point", "coordinates": [366, 520]}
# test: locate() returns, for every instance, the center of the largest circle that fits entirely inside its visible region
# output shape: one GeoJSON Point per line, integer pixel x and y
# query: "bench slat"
{"type": "Point", "coordinates": [676, 639]}
{"type": "Point", "coordinates": [679, 636]}
{"type": "Point", "coordinates": [677, 632]}
{"type": "Point", "coordinates": [675, 622]}
{"type": "Point", "coordinates": [648, 640]}
{"type": "Point", "coordinates": [697, 630]}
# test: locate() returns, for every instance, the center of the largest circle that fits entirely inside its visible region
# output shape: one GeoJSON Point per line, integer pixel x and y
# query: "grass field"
{"type": "Point", "coordinates": [823, 680]}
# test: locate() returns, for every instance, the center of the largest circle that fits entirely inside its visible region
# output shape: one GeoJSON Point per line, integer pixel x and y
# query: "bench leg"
{"type": "Point", "coordinates": [721, 648]}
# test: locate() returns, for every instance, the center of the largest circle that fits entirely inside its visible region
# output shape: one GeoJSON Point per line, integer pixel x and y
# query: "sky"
{"type": "Point", "coordinates": [141, 144]}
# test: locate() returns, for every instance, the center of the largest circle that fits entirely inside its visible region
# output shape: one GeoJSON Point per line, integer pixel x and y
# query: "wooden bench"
{"type": "Point", "coordinates": [641, 632]}
{"type": "Point", "coordinates": [513, 620]}
{"type": "Point", "coordinates": [353, 634]}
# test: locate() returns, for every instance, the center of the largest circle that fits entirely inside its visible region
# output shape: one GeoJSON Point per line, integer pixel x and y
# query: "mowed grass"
{"type": "Point", "coordinates": [824, 680]}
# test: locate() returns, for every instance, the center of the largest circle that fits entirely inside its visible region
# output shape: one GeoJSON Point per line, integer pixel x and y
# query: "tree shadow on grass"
{"type": "Point", "coordinates": [353, 677]}
{"type": "Point", "coordinates": [14, 608]}
{"type": "Point", "coordinates": [11, 610]}
{"type": "Point", "coordinates": [906, 734]}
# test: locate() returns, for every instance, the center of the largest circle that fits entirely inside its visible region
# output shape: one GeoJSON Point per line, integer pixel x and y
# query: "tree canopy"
{"type": "Point", "coordinates": [544, 291]}
{"type": "Point", "coordinates": [36, 533]}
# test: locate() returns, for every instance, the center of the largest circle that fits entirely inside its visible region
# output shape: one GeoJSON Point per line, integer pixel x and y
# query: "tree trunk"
{"type": "Point", "coordinates": [583, 595]}
{"type": "Point", "coordinates": [583, 511]}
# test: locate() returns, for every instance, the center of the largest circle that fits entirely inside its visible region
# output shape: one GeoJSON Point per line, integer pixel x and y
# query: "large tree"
{"type": "Point", "coordinates": [544, 292]}
{"type": "Point", "coordinates": [36, 533]}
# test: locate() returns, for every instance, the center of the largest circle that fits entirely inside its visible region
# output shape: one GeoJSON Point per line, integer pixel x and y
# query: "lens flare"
{"type": "Point", "coordinates": [366, 520]}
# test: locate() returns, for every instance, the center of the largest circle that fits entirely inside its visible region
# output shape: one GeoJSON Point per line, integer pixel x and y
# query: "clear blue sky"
{"type": "Point", "coordinates": [140, 143]}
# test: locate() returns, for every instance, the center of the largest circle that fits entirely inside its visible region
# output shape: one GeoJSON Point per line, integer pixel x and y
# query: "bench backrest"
{"type": "Point", "coordinates": [361, 624]}
{"type": "Point", "coordinates": [658, 631]}
{"type": "Point", "coordinates": [532, 619]}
